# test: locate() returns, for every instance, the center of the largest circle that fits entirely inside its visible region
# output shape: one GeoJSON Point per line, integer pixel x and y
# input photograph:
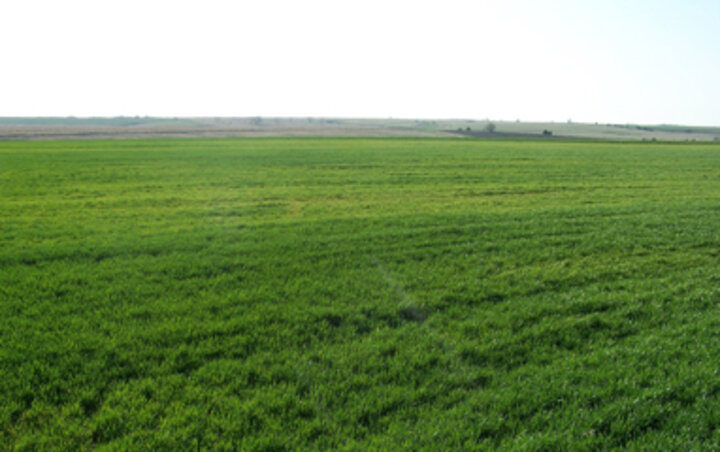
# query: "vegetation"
{"type": "Point", "coordinates": [270, 294]}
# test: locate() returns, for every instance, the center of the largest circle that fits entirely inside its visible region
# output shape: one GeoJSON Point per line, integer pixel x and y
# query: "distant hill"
{"type": "Point", "coordinates": [54, 128]}
{"type": "Point", "coordinates": [119, 121]}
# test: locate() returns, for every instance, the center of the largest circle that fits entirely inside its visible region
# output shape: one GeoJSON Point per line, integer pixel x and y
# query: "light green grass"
{"type": "Point", "coordinates": [359, 294]}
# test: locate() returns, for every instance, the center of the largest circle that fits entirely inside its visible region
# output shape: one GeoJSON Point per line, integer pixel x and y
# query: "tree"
{"type": "Point", "coordinates": [490, 127]}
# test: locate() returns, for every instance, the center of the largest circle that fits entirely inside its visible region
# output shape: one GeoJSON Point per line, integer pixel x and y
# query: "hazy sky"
{"type": "Point", "coordinates": [608, 61]}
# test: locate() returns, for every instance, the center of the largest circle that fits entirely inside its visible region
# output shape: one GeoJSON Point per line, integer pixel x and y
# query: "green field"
{"type": "Point", "coordinates": [359, 294]}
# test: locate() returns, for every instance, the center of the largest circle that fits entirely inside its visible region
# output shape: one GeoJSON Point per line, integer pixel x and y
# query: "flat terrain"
{"type": "Point", "coordinates": [359, 294]}
{"type": "Point", "coordinates": [149, 127]}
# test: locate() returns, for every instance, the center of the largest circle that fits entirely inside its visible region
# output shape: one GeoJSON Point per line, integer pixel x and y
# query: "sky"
{"type": "Point", "coordinates": [631, 61]}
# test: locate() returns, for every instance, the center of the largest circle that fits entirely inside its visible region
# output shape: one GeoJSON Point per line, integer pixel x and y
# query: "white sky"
{"type": "Point", "coordinates": [608, 61]}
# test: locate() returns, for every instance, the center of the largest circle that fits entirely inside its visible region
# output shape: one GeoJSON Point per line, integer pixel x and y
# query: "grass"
{"type": "Point", "coordinates": [419, 294]}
